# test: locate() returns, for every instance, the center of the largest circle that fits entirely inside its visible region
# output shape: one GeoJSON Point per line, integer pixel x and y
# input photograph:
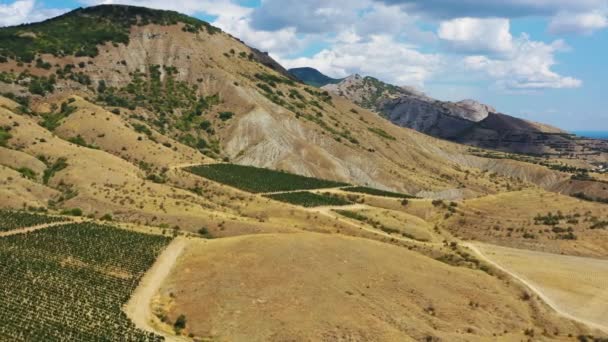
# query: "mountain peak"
{"type": "Point", "coordinates": [95, 26]}
{"type": "Point", "coordinates": [312, 76]}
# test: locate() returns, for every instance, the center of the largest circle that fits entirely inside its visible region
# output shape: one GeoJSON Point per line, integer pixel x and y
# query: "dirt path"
{"type": "Point", "coordinates": [34, 228]}
{"type": "Point", "coordinates": [138, 309]}
{"type": "Point", "coordinates": [328, 212]}
{"type": "Point", "coordinates": [555, 306]}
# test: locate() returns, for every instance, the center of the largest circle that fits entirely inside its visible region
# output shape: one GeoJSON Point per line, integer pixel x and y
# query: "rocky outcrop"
{"type": "Point", "coordinates": [468, 122]}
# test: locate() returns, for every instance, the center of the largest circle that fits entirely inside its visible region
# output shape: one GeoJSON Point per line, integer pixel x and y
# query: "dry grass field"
{"type": "Point", "coordinates": [574, 285]}
{"type": "Point", "coordinates": [333, 288]}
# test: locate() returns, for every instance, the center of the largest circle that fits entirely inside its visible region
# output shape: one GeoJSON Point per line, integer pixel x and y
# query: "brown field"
{"type": "Point", "coordinates": [574, 285]}
{"type": "Point", "coordinates": [330, 287]}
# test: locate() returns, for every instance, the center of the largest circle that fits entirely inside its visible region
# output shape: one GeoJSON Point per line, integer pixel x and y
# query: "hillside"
{"type": "Point", "coordinates": [466, 122]}
{"type": "Point", "coordinates": [276, 210]}
{"type": "Point", "coordinates": [313, 77]}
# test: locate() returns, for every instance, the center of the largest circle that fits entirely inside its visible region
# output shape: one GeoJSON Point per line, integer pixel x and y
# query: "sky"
{"type": "Point", "coordinates": [542, 60]}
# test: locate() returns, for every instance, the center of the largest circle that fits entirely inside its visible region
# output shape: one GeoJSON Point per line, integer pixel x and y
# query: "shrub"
{"type": "Point", "coordinates": [225, 116]}
{"type": "Point", "coordinates": [27, 173]}
{"type": "Point", "coordinates": [309, 199]}
{"type": "Point", "coordinates": [72, 212]}
{"type": "Point", "coordinates": [180, 323]}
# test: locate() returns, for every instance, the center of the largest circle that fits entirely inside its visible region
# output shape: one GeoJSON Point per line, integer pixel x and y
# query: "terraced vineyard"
{"type": "Point", "coordinates": [376, 192]}
{"type": "Point", "coordinates": [259, 180]}
{"type": "Point", "coordinates": [11, 220]}
{"type": "Point", "coordinates": [309, 199]}
{"type": "Point", "coordinates": [69, 282]}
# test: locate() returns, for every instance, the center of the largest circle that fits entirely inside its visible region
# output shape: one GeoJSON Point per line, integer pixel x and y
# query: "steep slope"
{"type": "Point", "coordinates": [468, 122]}
{"type": "Point", "coordinates": [313, 77]}
{"type": "Point", "coordinates": [205, 89]}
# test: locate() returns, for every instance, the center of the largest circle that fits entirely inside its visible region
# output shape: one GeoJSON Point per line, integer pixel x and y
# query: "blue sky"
{"type": "Point", "coordinates": [542, 60]}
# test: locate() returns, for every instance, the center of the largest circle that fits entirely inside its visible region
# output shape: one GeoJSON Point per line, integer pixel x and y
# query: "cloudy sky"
{"type": "Point", "coordinates": [544, 60]}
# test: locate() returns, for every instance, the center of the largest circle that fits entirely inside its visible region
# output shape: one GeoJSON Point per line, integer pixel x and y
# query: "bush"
{"type": "Point", "coordinates": [72, 212]}
{"type": "Point", "coordinates": [180, 323]}
{"type": "Point", "coordinates": [27, 173]}
{"type": "Point", "coordinates": [309, 199]}
{"type": "Point", "coordinates": [225, 116]}
{"type": "Point", "coordinates": [204, 232]}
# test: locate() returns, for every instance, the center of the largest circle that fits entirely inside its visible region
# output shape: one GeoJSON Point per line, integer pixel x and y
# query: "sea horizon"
{"type": "Point", "coordinates": [592, 134]}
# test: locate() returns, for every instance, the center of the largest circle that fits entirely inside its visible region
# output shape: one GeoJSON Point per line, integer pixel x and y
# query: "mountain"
{"type": "Point", "coordinates": [468, 122]}
{"type": "Point", "coordinates": [176, 184]}
{"type": "Point", "coordinates": [312, 77]}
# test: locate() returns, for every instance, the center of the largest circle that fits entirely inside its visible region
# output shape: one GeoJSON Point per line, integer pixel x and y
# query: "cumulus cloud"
{"type": "Point", "coordinates": [527, 67]}
{"type": "Point", "coordinates": [25, 11]}
{"type": "Point", "coordinates": [581, 23]}
{"type": "Point", "coordinates": [477, 35]}
{"type": "Point", "coordinates": [380, 56]}
{"type": "Point", "coordinates": [312, 16]}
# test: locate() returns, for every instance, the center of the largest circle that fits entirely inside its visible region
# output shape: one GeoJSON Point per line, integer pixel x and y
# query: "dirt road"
{"type": "Point", "coordinates": [34, 228]}
{"type": "Point", "coordinates": [138, 309]}
{"type": "Point", "coordinates": [538, 291]}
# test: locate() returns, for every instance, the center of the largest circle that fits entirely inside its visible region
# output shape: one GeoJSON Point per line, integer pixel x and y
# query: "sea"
{"type": "Point", "coordinates": [592, 134]}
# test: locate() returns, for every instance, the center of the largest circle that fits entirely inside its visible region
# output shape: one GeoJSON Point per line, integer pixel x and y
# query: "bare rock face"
{"type": "Point", "coordinates": [467, 121]}
{"type": "Point", "coordinates": [472, 110]}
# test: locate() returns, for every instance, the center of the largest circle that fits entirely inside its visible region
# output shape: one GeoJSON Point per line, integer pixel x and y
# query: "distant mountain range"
{"type": "Point", "coordinates": [313, 77]}
{"type": "Point", "coordinates": [467, 122]}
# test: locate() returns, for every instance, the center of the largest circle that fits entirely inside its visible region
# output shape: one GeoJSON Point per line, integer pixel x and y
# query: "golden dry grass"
{"type": "Point", "coordinates": [330, 287]}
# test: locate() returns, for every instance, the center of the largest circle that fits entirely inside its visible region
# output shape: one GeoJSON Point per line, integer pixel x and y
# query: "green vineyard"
{"type": "Point", "coordinates": [259, 180]}
{"type": "Point", "coordinates": [376, 192]}
{"type": "Point", "coordinates": [10, 220]}
{"type": "Point", "coordinates": [69, 283]}
{"type": "Point", "coordinates": [309, 199]}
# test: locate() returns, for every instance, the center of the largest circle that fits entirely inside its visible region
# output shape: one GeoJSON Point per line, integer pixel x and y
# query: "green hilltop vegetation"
{"type": "Point", "coordinates": [80, 31]}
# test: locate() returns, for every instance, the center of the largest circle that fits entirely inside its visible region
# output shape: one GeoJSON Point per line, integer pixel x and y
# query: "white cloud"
{"type": "Point", "coordinates": [528, 66]}
{"type": "Point", "coordinates": [24, 11]}
{"type": "Point", "coordinates": [380, 56]}
{"type": "Point", "coordinates": [496, 8]}
{"type": "Point", "coordinates": [477, 35]}
{"type": "Point", "coordinates": [581, 23]}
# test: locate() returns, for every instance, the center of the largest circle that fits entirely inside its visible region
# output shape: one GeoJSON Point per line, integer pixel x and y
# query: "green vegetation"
{"type": "Point", "coordinates": [382, 133]}
{"type": "Point", "coordinates": [79, 140]}
{"type": "Point", "coordinates": [22, 100]}
{"type": "Point", "coordinates": [4, 135]}
{"type": "Point", "coordinates": [204, 232]}
{"type": "Point", "coordinates": [58, 165]}
{"type": "Point", "coordinates": [53, 120]}
{"type": "Point", "coordinates": [309, 199]}
{"type": "Point", "coordinates": [225, 116]}
{"type": "Point", "coordinates": [27, 173]}
{"type": "Point", "coordinates": [585, 197]}
{"type": "Point", "coordinates": [259, 180]}
{"type": "Point", "coordinates": [176, 104]}
{"type": "Point", "coordinates": [376, 192]}
{"type": "Point", "coordinates": [79, 32]}
{"type": "Point", "coordinates": [10, 220]}
{"type": "Point", "coordinates": [70, 282]}
{"type": "Point", "coordinates": [378, 225]}
{"type": "Point", "coordinates": [180, 324]}
{"type": "Point", "coordinates": [72, 212]}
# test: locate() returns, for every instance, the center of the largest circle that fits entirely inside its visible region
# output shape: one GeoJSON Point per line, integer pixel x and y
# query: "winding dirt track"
{"type": "Point", "coordinates": [555, 306]}
{"type": "Point", "coordinates": [138, 308]}
{"type": "Point", "coordinates": [34, 228]}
